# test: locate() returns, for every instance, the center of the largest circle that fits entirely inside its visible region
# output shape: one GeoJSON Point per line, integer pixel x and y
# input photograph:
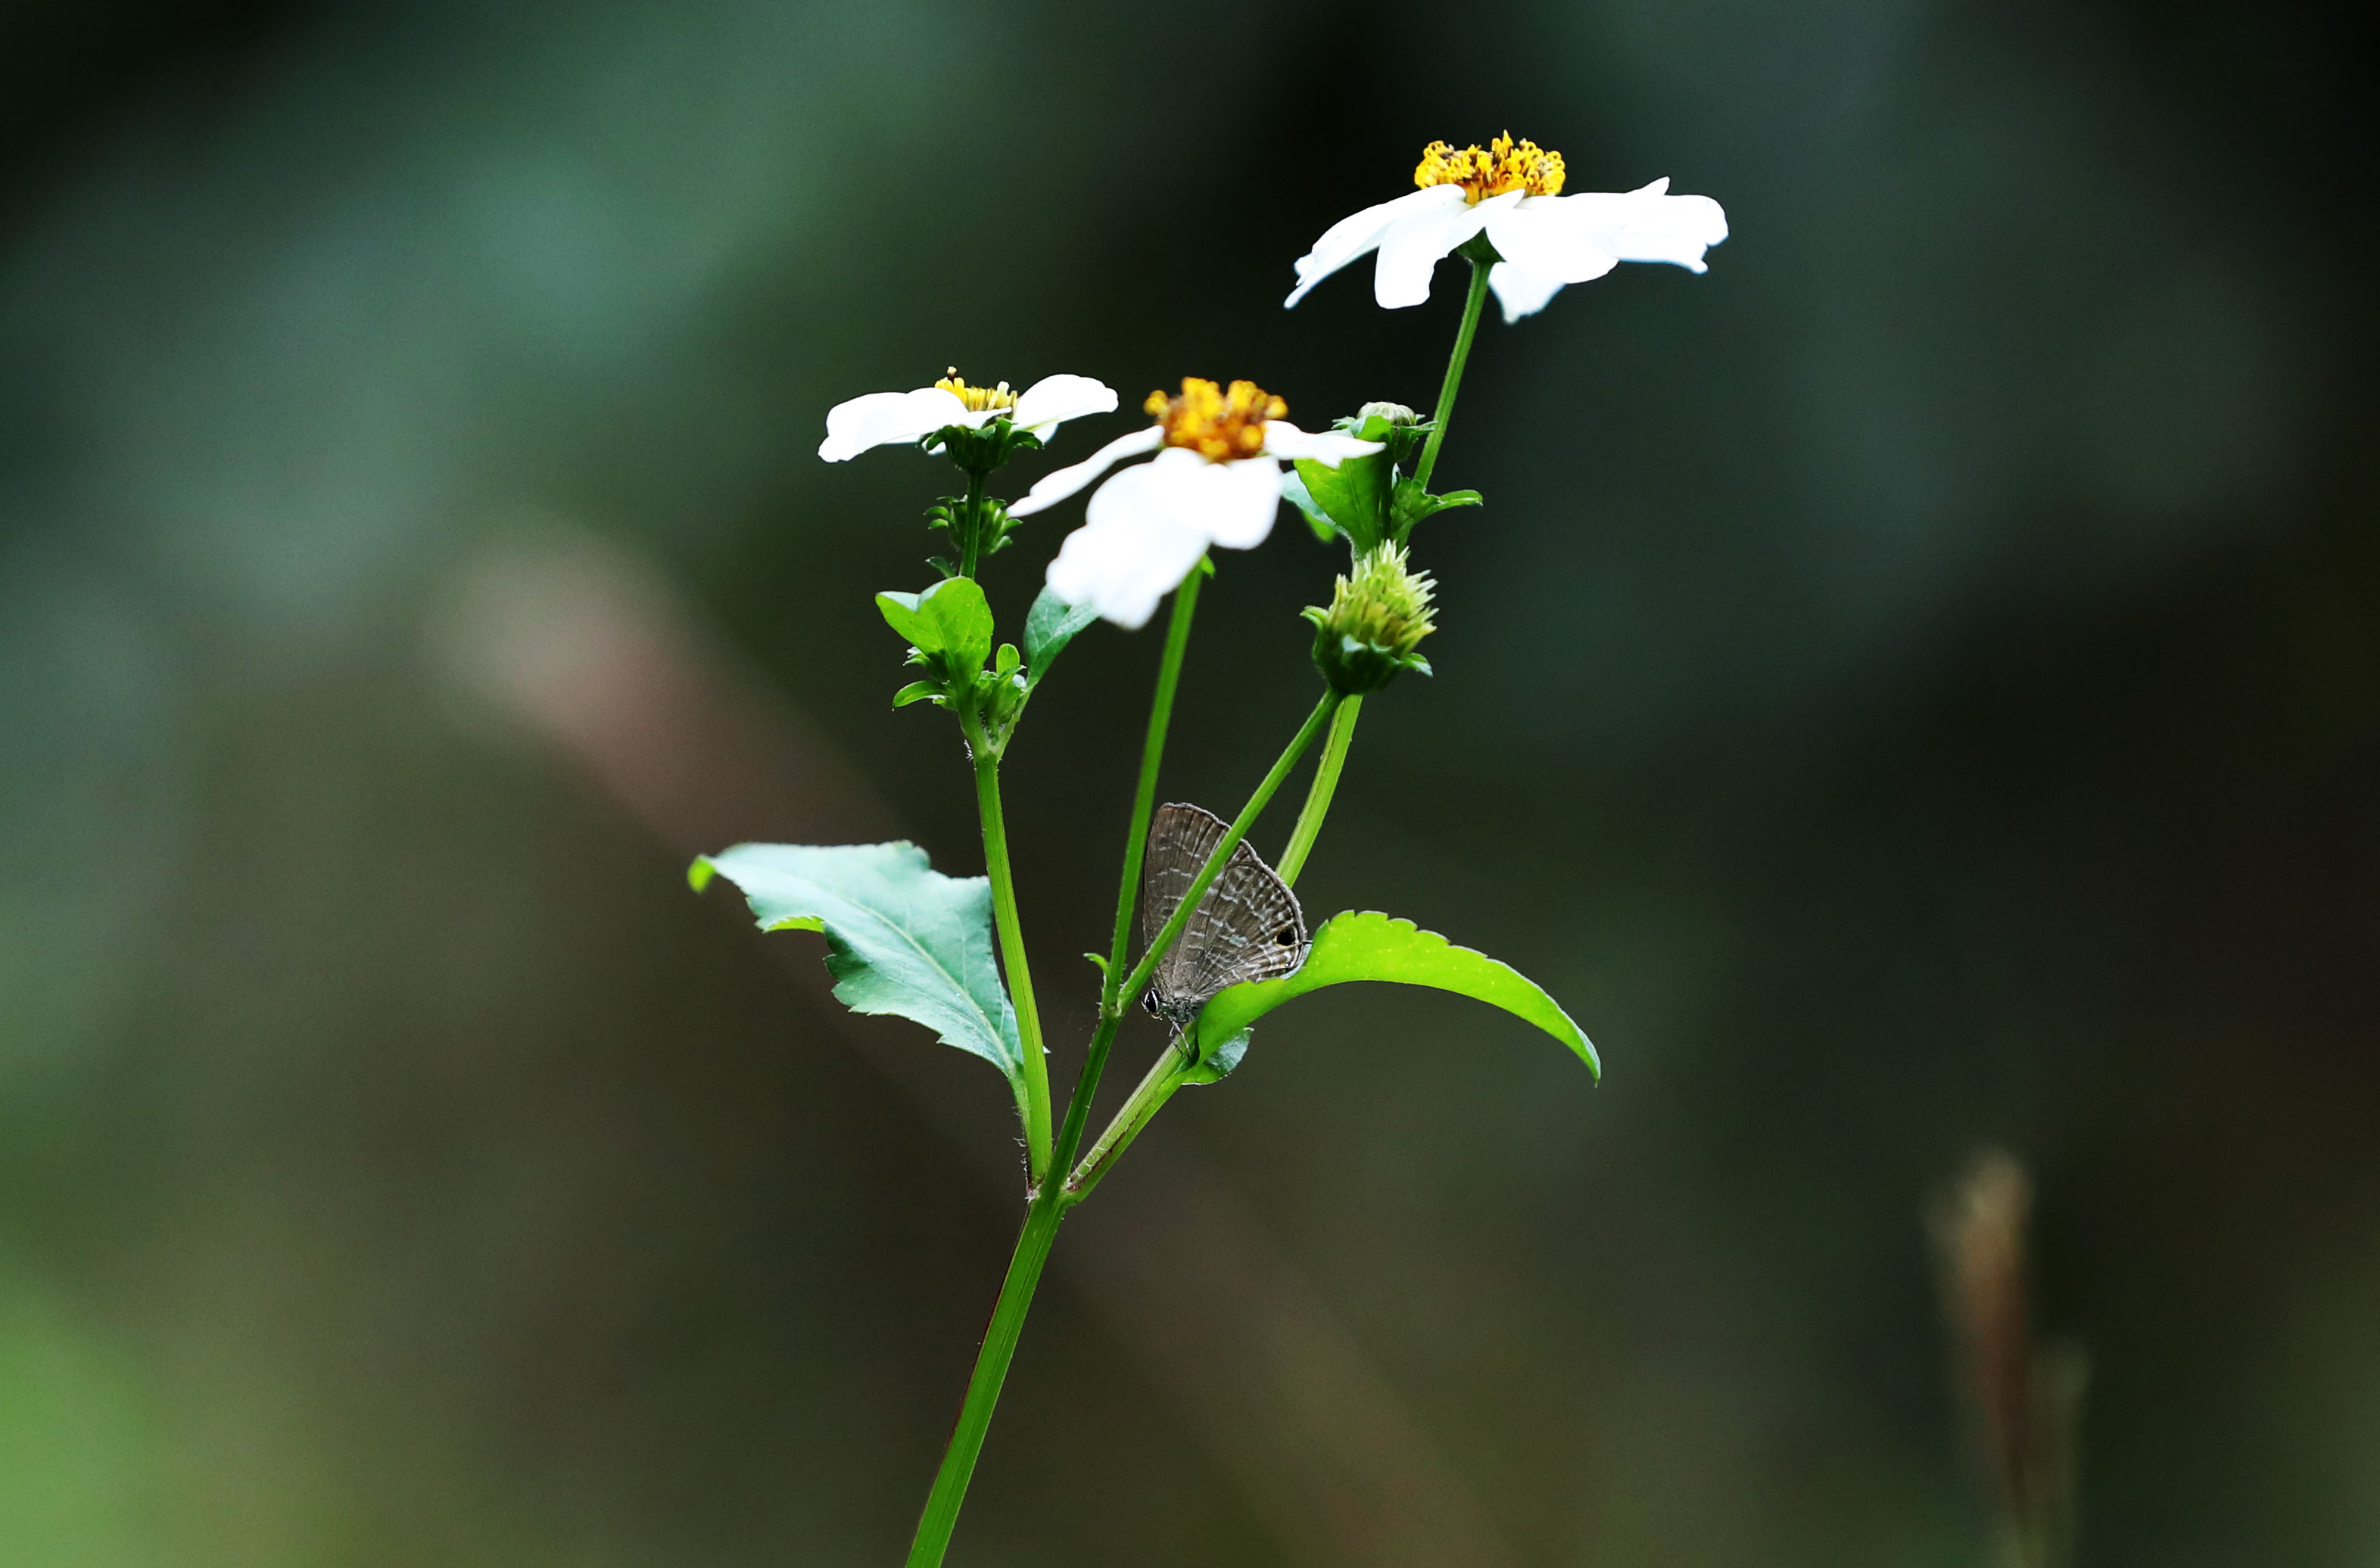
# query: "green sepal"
{"type": "Point", "coordinates": [982, 448]}
{"type": "Point", "coordinates": [902, 938]}
{"type": "Point", "coordinates": [1049, 625]}
{"type": "Point", "coordinates": [1354, 669]}
{"type": "Point", "coordinates": [919, 690]}
{"type": "Point", "coordinates": [1411, 503]}
{"type": "Point", "coordinates": [1371, 946]}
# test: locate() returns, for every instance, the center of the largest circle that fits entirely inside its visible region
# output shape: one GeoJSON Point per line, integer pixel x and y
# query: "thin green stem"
{"type": "Point", "coordinates": [1156, 1086]}
{"type": "Point", "coordinates": [1144, 797]}
{"type": "Point", "coordinates": [1152, 751]}
{"type": "Point", "coordinates": [1444, 412]}
{"type": "Point", "coordinates": [941, 1514]}
{"type": "Point", "coordinates": [1317, 796]}
{"type": "Point", "coordinates": [1012, 951]}
{"type": "Point", "coordinates": [970, 524]}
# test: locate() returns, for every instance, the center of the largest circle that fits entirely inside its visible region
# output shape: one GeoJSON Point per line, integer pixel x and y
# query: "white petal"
{"type": "Point", "coordinates": [1057, 485]}
{"type": "Point", "coordinates": [1414, 245]}
{"type": "Point", "coordinates": [1350, 237]}
{"type": "Point", "coordinates": [1549, 239]}
{"type": "Point", "coordinates": [1224, 503]}
{"type": "Point", "coordinates": [1329, 448]}
{"type": "Point", "coordinates": [1641, 225]}
{"type": "Point", "coordinates": [879, 418]}
{"type": "Point", "coordinates": [1521, 294]}
{"type": "Point", "coordinates": [1123, 563]}
{"type": "Point", "coordinates": [1241, 501]}
{"type": "Point", "coordinates": [1053, 399]}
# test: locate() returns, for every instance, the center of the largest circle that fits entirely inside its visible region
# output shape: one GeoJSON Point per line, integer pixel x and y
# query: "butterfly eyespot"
{"type": "Point", "coordinates": [1287, 937]}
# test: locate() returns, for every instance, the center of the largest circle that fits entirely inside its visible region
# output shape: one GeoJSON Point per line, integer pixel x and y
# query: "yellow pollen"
{"type": "Point", "coordinates": [1218, 424]}
{"type": "Point", "coordinates": [1501, 166]}
{"type": "Point", "coordinates": [978, 399]}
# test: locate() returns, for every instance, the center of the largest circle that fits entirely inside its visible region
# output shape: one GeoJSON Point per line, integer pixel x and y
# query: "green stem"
{"type": "Point", "coordinates": [971, 525]}
{"type": "Point", "coordinates": [1012, 951]}
{"type": "Point", "coordinates": [1144, 797]}
{"type": "Point", "coordinates": [1317, 798]}
{"type": "Point", "coordinates": [1049, 1201]}
{"type": "Point", "coordinates": [941, 1514]}
{"type": "Point", "coordinates": [1156, 1086]}
{"type": "Point", "coordinates": [1444, 412]}
{"type": "Point", "coordinates": [1144, 803]}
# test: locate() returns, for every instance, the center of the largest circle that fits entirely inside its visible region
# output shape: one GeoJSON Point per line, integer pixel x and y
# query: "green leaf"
{"type": "Point", "coordinates": [960, 619]}
{"type": "Point", "coordinates": [902, 938]}
{"type": "Point", "coordinates": [1354, 496]}
{"type": "Point", "coordinates": [1373, 946]}
{"type": "Point", "coordinates": [1217, 1063]}
{"type": "Point", "coordinates": [1049, 625]}
{"type": "Point", "coordinates": [1294, 491]}
{"type": "Point", "coordinates": [917, 691]}
{"type": "Point", "coordinates": [951, 619]}
{"type": "Point", "coordinates": [900, 613]}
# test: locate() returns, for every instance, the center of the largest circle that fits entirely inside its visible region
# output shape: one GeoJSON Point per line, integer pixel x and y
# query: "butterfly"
{"type": "Point", "coordinates": [1249, 926]}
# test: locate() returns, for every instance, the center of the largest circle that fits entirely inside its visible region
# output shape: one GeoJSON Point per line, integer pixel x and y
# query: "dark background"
{"type": "Point", "coordinates": [1915, 686]}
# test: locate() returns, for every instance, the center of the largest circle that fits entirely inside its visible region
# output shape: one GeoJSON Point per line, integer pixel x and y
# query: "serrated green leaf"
{"type": "Point", "coordinates": [1354, 495]}
{"type": "Point", "coordinates": [1049, 625]}
{"type": "Point", "coordinates": [1294, 491]}
{"type": "Point", "coordinates": [1373, 946]}
{"type": "Point", "coordinates": [902, 938]}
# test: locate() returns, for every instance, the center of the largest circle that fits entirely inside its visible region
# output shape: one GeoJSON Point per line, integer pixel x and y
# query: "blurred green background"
{"type": "Point", "coordinates": [1917, 685]}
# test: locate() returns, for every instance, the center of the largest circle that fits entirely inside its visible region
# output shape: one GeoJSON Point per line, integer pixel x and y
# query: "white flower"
{"type": "Point", "coordinates": [1216, 480]}
{"type": "Point", "coordinates": [883, 418]}
{"type": "Point", "coordinates": [1511, 193]}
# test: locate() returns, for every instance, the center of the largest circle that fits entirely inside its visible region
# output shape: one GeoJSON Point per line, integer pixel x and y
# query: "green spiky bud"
{"type": "Point", "coordinates": [1379, 615]}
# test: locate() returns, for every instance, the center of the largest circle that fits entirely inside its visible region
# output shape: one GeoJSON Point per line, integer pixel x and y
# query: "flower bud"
{"type": "Point", "coordinates": [1398, 428]}
{"type": "Point", "coordinates": [1379, 615]}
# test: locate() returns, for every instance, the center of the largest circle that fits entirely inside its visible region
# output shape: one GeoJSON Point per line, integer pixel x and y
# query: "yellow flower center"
{"type": "Point", "coordinates": [1218, 424]}
{"type": "Point", "coordinates": [1499, 166]}
{"type": "Point", "coordinates": [978, 399]}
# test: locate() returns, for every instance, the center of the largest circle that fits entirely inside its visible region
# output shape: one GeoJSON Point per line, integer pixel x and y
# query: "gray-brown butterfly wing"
{"type": "Point", "coordinates": [1249, 926]}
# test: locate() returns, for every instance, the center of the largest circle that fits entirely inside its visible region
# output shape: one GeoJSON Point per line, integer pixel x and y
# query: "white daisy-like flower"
{"type": "Point", "coordinates": [885, 419]}
{"type": "Point", "coordinates": [1216, 480]}
{"type": "Point", "coordinates": [1513, 193]}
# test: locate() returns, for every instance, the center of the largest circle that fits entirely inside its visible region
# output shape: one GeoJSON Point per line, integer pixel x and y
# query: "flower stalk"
{"type": "Point", "coordinates": [1317, 795]}
{"type": "Point", "coordinates": [1011, 928]}
{"type": "Point", "coordinates": [1482, 257]}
